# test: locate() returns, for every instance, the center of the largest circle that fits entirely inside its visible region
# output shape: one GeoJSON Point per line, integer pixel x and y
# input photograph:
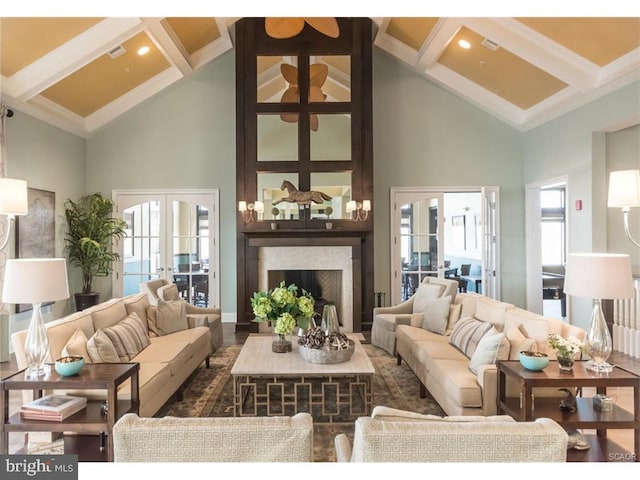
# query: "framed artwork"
{"type": "Point", "coordinates": [36, 231]}
{"type": "Point", "coordinates": [458, 232]}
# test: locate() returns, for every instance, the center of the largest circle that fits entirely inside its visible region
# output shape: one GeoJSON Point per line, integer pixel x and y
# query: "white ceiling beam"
{"type": "Point", "coordinates": [71, 56]}
{"type": "Point", "coordinates": [169, 45]}
{"type": "Point", "coordinates": [437, 41]}
{"type": "Point", "coordinates": [214, 49]}
{"type": "Point", "coordinates": [537, 49]}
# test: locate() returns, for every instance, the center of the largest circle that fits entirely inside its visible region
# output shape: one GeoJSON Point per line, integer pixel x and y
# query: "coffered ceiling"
{"type": "Point", "coordinates": [82, 73]}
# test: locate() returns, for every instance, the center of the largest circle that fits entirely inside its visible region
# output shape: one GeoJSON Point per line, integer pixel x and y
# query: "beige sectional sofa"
{"type": "Point", "coordinates": [391, 435]}
{"type": "Point", "coordinates": [451, 366]}
{"type": "Point", "coordinates": [245, 439]}
{"type": "Point", "coordinates": [165, 363]}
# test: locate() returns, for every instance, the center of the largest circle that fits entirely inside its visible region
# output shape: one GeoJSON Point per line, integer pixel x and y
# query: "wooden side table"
{"type": "Point", "coordinates": [100, 376]}
{"type": "Point", "coordinates": [527, 408]}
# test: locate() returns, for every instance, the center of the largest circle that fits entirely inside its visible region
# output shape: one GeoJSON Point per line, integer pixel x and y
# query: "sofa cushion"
{"type": "Point", "coordinates": [171, 316]}
{"type": "Point", "coordinates": [101, 349]}
{"type": "Point", "coordinates": [426, 291]}
{"type": "Point", "coordinates": [129, 337]}
{"type": "Point", "coordinates": [457, 381]}
{"type": "Point", "coordinates": [492, 311]}
{"type": "Point", "coordinates": [454, 315]}
{"type": "Point", "coordinates": [467, 333]}
{"type": "Point", "coordinates": [429, 351]}
{"type": "Point", "coordinates": [138, 304]}
{"type": "Point", "coordinates": [436, 314]}
{"type": "Point", "coordinates": [532, 325]}
{"type": "Point", "coordinates": [77, 346]}
{"type": "Point", "coordinates": [168, 293]}
{"type": "Point", "coordinates": [393, 414]}
{"type": "Point", "coordinates": [108, 314]}
{"type": "Point", "coordinates": [487, 351]}
{"type": "Point", "coordinates": [165, 349]}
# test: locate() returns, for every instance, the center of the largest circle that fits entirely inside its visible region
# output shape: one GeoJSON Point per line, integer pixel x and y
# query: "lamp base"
{"type": "Point", "coordinates": [603, 367]}
{"type": "Point", "coordinates": [38, 371]}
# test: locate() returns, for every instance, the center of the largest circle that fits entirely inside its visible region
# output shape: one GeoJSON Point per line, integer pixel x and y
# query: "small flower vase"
{"type": "Point", "coordinates": [281, 344]}
{"type": "Point", "coordinates": [566, 363]}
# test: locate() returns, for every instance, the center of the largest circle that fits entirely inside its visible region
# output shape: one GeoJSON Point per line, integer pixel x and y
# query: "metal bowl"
{"type": "Point", "coordinates": [327, 355]}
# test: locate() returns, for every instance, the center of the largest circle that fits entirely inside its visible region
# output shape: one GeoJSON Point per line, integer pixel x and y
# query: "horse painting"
{"type": "Point", "coordinates": [301, 198]}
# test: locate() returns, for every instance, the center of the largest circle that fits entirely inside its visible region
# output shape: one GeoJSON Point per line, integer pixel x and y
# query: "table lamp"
{"type": "Point", "coordinates": [598, 276]}
{"type": "Point", "coordinates": [36, 280]}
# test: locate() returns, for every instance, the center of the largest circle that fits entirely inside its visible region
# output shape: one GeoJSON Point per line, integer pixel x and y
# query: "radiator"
{"type": "Point", "coordinates": [626, 323]}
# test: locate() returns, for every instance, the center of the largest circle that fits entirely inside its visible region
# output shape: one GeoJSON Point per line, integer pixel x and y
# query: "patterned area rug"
{"type": "Point", "coordinates": [210, 394]}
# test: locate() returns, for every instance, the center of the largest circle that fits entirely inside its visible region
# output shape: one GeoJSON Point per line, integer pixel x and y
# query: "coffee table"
{"type": "Point", "coordinates": [270, 384]}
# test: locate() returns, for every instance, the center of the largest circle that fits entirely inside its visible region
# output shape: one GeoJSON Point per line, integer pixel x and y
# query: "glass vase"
{"type": "Point", "coordinates": [598, 341]}
{"type": "Point", "coordinates": [565, 363]}
{"type": "Point", "coordinates": [280, 343]}
{"type": "Point", "coordinates": [330, 320]}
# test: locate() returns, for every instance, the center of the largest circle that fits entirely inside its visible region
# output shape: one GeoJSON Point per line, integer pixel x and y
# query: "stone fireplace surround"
{"type": "Point", "coordinates": [312, 258]}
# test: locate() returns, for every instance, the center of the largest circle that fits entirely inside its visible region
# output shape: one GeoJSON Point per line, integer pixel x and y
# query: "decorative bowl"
{"type": "Point", "coordinates": [327, 355]}
{"type": "Point", "coordinates": [533, 360]}
{"type": "Point", "coordinates": [67, 366]}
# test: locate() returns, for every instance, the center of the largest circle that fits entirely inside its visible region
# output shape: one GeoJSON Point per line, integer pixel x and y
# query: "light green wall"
{"type": "Point", "coordinates": [425, 136]}
{"type": "Point", "coordinates": [48, 159]}
{"type": "Point", "coordinates": [575, 145]}
{"type": "Point", "coordinates": [183, 137]}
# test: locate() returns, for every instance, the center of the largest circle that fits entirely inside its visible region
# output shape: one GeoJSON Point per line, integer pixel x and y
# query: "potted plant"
{"type": "Point", "coordinates": [275, 211]}
{"type": "Point", "coordinates": [328, 211]}
{"type": "Point", "coordinates": [91, 229]}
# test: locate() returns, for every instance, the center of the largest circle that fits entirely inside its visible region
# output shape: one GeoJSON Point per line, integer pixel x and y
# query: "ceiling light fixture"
{"type": "Point", "coordinates": [464, 44]}
{"type": "Point", "coordinates": [143, 50]}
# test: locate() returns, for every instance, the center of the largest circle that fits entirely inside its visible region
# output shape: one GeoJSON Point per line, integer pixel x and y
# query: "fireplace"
{"type": "Point", "coordinates": [326, 272]}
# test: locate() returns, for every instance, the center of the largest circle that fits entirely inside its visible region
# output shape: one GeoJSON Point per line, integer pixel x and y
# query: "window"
{"type": "Point", "coordinates": [553, 227]}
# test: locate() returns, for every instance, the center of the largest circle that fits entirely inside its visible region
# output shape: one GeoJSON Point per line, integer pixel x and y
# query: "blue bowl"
{"type": "Point", "coordinates": [533, 360]}
{"type": "Point", "coordinates": [67, 366]}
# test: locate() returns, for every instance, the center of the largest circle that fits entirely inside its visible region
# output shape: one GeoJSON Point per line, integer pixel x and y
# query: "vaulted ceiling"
{"type": "Point", "coordinates": [82, 73]}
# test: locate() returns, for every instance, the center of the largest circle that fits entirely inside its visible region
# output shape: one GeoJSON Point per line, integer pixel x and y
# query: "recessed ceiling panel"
{"type": "Point", "coordinates": [411, 31]}
{"type": "Point", "coordinates": [194, 32]}
{"type": "Point", "coordinates": [25, 40]}
{"type": "Point", "coordinates": [105, 79]}
{"type": "Point", "coordinates": [500, 71]}
{"type": "Point", "coordinates": [600, 40]}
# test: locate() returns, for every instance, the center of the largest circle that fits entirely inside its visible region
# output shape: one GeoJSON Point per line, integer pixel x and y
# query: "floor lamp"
{"type": "Point", "coordinates": [599, 276]}
{"type": "Point", "coordinates": [36, 280]}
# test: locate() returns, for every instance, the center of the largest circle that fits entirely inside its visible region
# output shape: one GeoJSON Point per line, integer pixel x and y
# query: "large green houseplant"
{"type": "Point", "coordinates": [91, 228]}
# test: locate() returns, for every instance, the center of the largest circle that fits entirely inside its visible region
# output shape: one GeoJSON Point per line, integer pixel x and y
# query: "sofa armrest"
{"type": "Point", "coordinates": [405, 307]}
{"type": "Point", "coordinates": [194, 310]}
{"type": "Point", "coordinates": [343, 448]}
{"type": "Point", "coordinates": [488, 380]}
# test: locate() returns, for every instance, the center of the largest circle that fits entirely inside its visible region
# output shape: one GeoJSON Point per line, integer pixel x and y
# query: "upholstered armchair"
{"type": "Point", "coordinates": [409, 312]}
{"type": "Point", "coordinates": [161, 290]}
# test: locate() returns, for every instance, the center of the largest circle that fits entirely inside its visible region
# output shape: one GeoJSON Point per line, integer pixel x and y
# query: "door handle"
{"type": "Point", "coordinates": [160, 269]}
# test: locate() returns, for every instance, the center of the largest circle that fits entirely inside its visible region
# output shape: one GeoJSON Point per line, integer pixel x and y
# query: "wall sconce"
{"type": "Point", "coordinates": [624, 192]}
{"type": "Point", "coordinates": [250, 211]}
{"type": "Point", "coordinates": [13, 201]}
{"type": "Point", "coordinates": [359, 211]}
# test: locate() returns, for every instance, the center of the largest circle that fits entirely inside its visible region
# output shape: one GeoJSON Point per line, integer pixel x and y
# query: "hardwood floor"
{"type": "Point", "coordinates": [622, 396]}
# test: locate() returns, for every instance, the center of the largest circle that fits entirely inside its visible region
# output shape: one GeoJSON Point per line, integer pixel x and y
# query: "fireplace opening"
{"type": "Point", "coordinates": [325, 286]}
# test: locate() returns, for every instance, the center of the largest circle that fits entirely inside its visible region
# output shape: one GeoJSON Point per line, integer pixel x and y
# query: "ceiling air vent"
{"type": "Point", "coordinates": [493, 46]}
{"type": "Point", "coordinates": [116, 52]}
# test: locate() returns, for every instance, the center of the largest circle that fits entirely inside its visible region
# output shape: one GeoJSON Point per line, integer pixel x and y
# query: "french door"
{"type": "Point", "coordinates": [417, 238]}
{"type": "Point", "coordinates": [171, 235]}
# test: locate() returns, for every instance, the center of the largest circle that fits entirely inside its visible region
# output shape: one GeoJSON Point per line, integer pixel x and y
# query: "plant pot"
{"type": "Point", "coordinates": [274, 226]}
{"type": "Point", "coordinates": [328, 225]}
{"type": "Point", "coordinates": [86, 300]}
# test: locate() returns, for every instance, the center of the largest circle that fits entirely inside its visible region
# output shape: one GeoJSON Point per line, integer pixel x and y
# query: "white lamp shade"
{"type": "Point", "coordinates": [351, 205]}
{"type": "Point", "coordinates": [599, 275]}
{"type": "Point", "coordinates": [624, 189]}
{"type": "Point", "coordinates": [35, 280]}
{"type": "Point", "coordinates": [13, 197]}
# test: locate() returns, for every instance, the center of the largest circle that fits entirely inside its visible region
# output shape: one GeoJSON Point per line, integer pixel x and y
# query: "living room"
{"type": "Point", "coordinates": [183, 137]}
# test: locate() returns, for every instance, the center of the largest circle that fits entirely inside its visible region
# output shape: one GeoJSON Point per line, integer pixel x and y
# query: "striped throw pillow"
{"type": "Point", "coordinates": [129, 337]}
{"type": "Point", "coordinates": [467, 334]}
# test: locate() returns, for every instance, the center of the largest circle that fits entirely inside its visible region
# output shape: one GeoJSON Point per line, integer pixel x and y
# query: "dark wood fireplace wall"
{"type": "Point", "coordinates": [355, 41]}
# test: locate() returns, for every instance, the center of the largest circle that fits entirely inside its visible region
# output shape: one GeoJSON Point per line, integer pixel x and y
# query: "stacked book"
{"type": "Point", "coordinates": [53, 407]}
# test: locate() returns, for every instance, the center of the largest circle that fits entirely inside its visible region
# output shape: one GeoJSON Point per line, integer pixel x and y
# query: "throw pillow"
{"type": "Point", "coordinates": [100, 348]}
{"type": "Point", "coordinates": [454, 315]}
{"type": "Point", "coordinates": [169, 293]}
{"type": "Point", "coordinates": [129, 337]}
{"type": "Point", "coordinates": [467, 333]}
{"type": "Point", "coordinates": [171, 316]}
{"type": "Point", "coordinates": [426, 291]}
{"type": "Point", "coordinates": [487, 351]}
{"type": "Point", "coordinates": [76, 346]}
{"type": "Point", "coordinates": [152, 321]}
{"type": "Point", "coordinates": [518, 342]}
{"type": "Point", "coordinates": [436, 314]}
